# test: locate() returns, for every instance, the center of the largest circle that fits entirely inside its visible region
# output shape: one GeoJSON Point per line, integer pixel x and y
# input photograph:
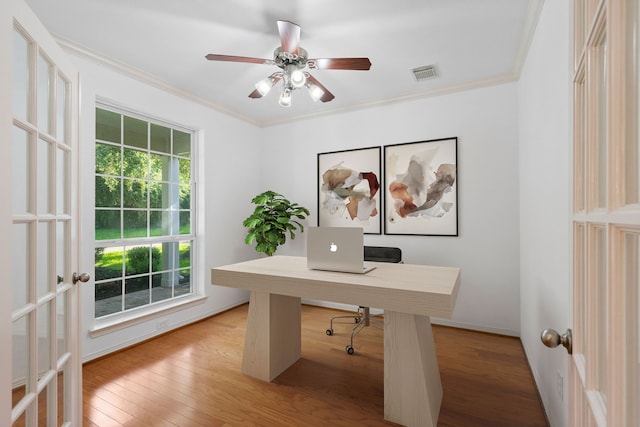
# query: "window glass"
{"type": "Point", "coordinates": [135, 132]}
{"type": "Point", "coordinates": [108, 126]}
{"type": "Point", "coordinates": [181, 144]}
{"type": "Point", "coordinates": [143, 201]}
{"type": "Point", "coordinates": [160, 138]}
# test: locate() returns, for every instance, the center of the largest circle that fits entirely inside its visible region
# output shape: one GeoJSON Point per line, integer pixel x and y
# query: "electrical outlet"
{"type": "Point", "coordinates": [560, 385]}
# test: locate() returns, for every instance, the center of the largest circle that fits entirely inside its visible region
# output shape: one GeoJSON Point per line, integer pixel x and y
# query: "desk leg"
{"type": "Point", "coordinates": [412, 387]}
{"type": "Point", "coordinates": [272, 339]}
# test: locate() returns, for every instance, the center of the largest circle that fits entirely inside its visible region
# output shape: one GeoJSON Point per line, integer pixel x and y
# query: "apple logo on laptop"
{"type": "Point", "coordinates": [333, 247]}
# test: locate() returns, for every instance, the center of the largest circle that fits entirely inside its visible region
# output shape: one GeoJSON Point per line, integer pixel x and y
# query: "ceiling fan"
{"type": "Point", "coordinates": [293, 59]}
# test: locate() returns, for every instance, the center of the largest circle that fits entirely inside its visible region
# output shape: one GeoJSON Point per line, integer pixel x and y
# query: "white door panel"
{"type": "Point", "coordinates": [41, 186]}
{"type": "Point", "coordinates": [606, 215]}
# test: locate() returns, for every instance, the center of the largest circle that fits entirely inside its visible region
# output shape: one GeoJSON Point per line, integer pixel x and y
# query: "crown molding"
{"type": "Point", "coordinates": [463, 87]}
{"type": "Point", "coordinates": [534, 10]}
{"type": "Point", "coordinates": [145, 77]}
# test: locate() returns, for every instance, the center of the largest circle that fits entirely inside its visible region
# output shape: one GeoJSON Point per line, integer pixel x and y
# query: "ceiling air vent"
{"type": "Point", "coordinates": [424, 73]}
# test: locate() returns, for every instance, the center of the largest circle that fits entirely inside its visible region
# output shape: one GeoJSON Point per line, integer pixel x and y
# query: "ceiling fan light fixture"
{"type": "Point", "coordinates": [265, 85]}
{"type": "Point", "coordinates": [315, 92]}
{"type": "Point", "coordinates": [298, 79]}
{"type": "Point", "coordinates": [285, 98]}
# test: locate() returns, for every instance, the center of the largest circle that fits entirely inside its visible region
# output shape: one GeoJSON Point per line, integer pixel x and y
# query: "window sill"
{"type": "Point", "coordinates": [103, 327]}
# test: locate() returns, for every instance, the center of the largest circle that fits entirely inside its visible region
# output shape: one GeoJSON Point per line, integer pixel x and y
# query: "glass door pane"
{"type": "Point", "coordinates": [579, 144]}
{"type": "Point", "coordinates": [62, 111]}
{"type": "Point", "coordinates": [22, 72]}
{"type": "Point", "coordinates": [600, 121]}
{"type": "Point", "coordinates": [44, 271]}
{"type": "Point", "coordinates": [631, 263]}
{"type": "Point", "coordinates": [632, 107]}
{"type": "Point", "coordinates": [63, 206]}
{"type": "Point", "coordinates": [44, 180]}
{"type": "Point", "coordinates": [44, 339]}
{"type": "Point", "coordinates": [20, 365]}
{"type": "Point", "coordinates": [21, 162]}
{"type": "Point", "coordinates": [21, 271]}
{"type": "Point", "coordinates": [580, 289]}
{"type": "Point", "coordinates": [600, 303]}
{"type": "Point", "coordinates": [45, 88]}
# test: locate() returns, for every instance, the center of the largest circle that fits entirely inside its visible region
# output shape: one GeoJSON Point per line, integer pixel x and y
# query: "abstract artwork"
{"type": "Point", "coordinates": [421, 188]}
{"type": "Point", "coordinates": [349, 189]}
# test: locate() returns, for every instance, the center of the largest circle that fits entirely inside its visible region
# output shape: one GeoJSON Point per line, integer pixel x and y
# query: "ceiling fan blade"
{"type": "Point", "coordinates": [327, 96]}
{"type": "Point", "coordinates": [231, 58]}
{"type": "Point", "coordinates": [289, 36]}
{"type": "Point", "coordinates": [255, 94]}
{"type": "Point", "coordinates": [339, 64]}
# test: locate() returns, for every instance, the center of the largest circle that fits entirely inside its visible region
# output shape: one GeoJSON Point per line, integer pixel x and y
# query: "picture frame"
{"type": "Point", "coordinates": [421, 188]}
{"type": "Point", "coordinates": [349, 189]}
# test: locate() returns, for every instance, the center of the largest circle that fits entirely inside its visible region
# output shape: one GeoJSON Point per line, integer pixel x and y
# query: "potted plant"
{"type": "Point", "coordinates": [272, 218]}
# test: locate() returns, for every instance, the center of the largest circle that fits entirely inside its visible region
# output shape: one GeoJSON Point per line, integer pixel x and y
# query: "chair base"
{"type": "Point", "coordinates": [362, 319]}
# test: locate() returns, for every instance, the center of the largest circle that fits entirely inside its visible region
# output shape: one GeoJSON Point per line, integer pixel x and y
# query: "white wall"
{"type": "Point", "coordinates": [233, 154]}
{"type": "Point", "coordinates": [487, 248]}
{"type": "Point", "coordinates": [545, 196]}
{"type": "Point", "coordinates": [228, 160]}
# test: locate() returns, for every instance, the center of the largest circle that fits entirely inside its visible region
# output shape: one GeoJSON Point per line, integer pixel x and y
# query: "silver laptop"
{"type": "Point", "coordinates": [336, 249]}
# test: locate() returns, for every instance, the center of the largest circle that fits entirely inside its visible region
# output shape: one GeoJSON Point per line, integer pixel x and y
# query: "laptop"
{"type": "Point", "coordinates": [336, 249]}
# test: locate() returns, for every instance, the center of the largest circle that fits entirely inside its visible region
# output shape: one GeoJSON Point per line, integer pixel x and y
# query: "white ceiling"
{"type": "Point", "coordinates": [472, 43]}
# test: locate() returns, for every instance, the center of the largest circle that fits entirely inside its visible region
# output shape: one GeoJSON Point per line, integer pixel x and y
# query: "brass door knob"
{"type": "Point", "coordinates": [83, 277]}
{"type": "Point", "coordinates": [551, 338]}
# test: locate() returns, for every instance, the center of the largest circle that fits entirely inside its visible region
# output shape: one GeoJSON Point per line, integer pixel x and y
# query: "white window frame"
{"type": "Point", "coordinates": [125, 318]}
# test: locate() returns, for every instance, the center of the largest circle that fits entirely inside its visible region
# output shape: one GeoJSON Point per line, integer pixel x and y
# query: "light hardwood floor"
{"type": "Point", "coordinates": [191, 377]}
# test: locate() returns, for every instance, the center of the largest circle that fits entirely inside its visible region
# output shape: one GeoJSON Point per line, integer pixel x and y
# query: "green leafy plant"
{"type": "Point", "coordinates": [273, 217]}
{"type": "Point", "coordinates": [138, 260]}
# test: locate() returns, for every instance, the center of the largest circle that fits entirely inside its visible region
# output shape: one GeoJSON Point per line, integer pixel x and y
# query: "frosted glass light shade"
{"type": "Point", "coordinates": [298, 79]}
{"type": "Point", "coordinates": [315, 92]}
{"type": "Point", "coordinates": [264, 85]}
{"type": "Point", "coordinates": [285, 98]}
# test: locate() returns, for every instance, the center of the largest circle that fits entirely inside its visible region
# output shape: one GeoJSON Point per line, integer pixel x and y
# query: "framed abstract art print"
{"type": "Point", "coordinates": [421, 188]}
{"type": "Point", "coordinates": [349, 189]}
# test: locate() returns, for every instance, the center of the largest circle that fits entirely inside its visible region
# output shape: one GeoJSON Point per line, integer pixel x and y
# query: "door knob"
{"type": "Point", "coordinates": [551, 338]}
{"type": "Point", "coordinates": [83, 277]}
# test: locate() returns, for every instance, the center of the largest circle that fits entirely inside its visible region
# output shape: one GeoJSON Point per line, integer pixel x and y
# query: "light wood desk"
{"type": "Point", "coordinates": [408, 293]}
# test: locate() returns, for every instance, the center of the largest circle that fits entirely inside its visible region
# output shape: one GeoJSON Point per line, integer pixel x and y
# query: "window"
{"type": "Point", "coordinates": [144, 233]}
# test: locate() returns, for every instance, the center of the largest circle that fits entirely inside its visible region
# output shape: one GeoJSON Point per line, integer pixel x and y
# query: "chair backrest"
{"type": "Point", "coordinates": [382, 254]}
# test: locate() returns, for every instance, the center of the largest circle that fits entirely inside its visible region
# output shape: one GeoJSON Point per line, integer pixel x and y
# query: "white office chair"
{"type": "Point", "coordinates": [363, 317]}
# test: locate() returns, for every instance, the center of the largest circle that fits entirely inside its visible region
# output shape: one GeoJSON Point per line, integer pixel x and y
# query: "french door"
{"type": "Point", "coordinates": [606, 215]}
{"type": "Point", "coordinates": [40, 152]}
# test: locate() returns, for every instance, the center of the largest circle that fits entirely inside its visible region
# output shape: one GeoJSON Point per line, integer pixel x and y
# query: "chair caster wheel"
{"type": "Point", "coordinates": [350, 349]}
{"type": "Point", "coordinates": [329, 331]}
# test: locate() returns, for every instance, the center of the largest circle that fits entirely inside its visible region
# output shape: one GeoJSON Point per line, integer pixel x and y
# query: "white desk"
{"type": "Point", "coordinates": [408, 293]}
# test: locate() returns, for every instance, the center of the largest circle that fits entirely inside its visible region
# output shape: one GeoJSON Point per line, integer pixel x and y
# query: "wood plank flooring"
{"type": "Point", "coordinates": [191, 377]}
